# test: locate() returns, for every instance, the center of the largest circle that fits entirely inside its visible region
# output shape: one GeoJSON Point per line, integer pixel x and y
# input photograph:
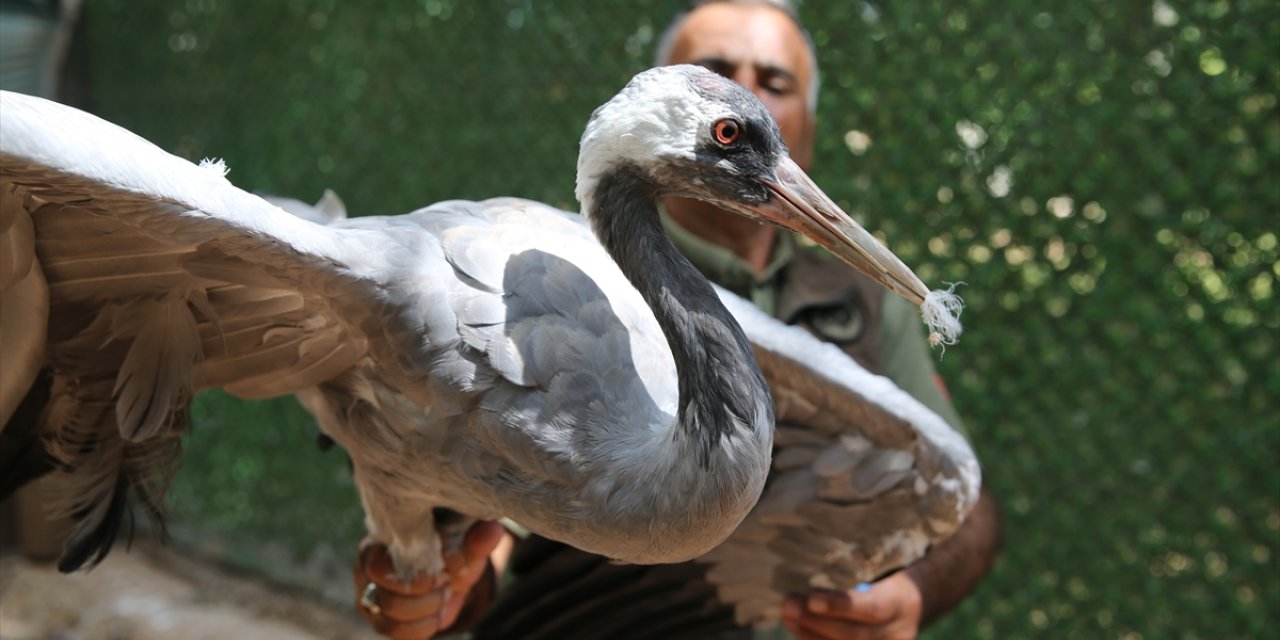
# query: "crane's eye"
{"type": "Point", "coordinates": [727, 131]}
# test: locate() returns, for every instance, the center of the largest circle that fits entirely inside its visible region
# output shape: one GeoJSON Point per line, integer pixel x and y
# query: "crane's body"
{"type": "Point", "coordinates": [494, 359]}
{"type": "Point", "coordinates": [552, 329]}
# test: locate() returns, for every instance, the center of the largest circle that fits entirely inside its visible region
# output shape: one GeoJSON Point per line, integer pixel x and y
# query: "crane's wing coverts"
{"type": "Point", "coordinates": [864, 477]}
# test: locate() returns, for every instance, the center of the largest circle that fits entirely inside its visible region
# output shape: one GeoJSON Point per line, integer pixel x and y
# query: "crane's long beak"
{"type": "Point", "coordinates": [798, 204]}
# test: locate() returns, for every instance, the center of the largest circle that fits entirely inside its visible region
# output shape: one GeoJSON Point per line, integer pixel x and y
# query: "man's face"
{"type": "Point", "coordinates": [762, 49]}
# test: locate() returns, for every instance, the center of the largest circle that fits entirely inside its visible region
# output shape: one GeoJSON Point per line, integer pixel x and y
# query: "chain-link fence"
{"type": "Point", "coordinates": [1104, 176]}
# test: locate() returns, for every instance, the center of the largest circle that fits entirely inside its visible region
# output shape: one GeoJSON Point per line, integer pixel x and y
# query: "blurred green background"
{"type": "Point", "coordinates": [1104, 176]}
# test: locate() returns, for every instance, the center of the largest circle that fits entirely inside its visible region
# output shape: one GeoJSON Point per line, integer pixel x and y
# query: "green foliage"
{"type": "Point", "coordinates": [254, 471]}
{"type": "Point", "coordinates": [1102, 175]}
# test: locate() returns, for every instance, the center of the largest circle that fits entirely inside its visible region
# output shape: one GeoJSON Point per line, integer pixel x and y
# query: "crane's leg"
{"type": "Point", "coordinates": [406, 528]}
{"type": "Point", "coordinates": [399, 513]}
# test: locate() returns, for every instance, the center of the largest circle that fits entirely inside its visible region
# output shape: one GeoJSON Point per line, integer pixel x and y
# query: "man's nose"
{"type": "Point", "coordinates": [747, 77]}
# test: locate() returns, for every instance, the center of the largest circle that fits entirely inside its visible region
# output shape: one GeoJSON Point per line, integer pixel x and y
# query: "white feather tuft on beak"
{"type": "Point", "coordinates": [941, 311]}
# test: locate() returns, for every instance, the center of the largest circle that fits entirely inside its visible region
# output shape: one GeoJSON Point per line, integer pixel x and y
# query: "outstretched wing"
{"type": "Point", "coordinates": [864, 477]}
{"type": "Point", "coordinates": [129, 279]}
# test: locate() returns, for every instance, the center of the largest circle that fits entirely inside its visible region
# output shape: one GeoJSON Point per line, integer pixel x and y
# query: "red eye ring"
{"type": "Point", "coordinates": [727, 131]}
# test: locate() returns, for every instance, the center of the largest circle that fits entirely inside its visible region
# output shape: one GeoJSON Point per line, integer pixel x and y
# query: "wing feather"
{"type": "Point", "coordinates": [17, 241]}
{"type": "Point", "coordinates": [864, 478]}
{"type": "Point", "coordinates": [154, 380]}
{"type": "Point", "coordinates": [135, 279]}
{"type": "Point", "coordinates": [24, 306]}
{"type": "Point", "coordinates": [319, 358]}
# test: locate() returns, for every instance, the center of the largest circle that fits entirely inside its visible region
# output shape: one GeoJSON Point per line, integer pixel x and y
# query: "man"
{"type": "Point", "coordinates": [559, 592]}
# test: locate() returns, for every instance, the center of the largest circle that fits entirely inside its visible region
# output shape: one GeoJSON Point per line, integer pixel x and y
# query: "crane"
{"type": "Point", "coordinates": [864, 480]}
{"type": "Point", "coordinates": [475, 360]}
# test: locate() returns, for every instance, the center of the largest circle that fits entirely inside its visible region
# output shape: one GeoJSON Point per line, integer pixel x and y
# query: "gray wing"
{"type": "Point", "coordinates": [864, 478]}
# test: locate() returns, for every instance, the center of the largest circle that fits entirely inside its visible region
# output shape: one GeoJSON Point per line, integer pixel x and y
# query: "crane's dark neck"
{"type": "Point", "coordinates": [720, 382]}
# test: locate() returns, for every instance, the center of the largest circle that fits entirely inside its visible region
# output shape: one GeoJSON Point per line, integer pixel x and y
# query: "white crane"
{"type": "Point", "coordinates": [490, 359]}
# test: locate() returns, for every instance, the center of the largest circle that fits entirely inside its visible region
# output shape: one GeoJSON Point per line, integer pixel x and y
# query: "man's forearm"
{"type": "Point", "coordinates": [953, 569]}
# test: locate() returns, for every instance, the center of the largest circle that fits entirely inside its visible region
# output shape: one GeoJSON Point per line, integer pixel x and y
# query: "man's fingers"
{"type": "Point", "coordinates": [423, 606]}
{"type": "Point", "coordinates": [452, 608]}
{"type": "Point", "coordinates": [415, 630]}
{"type": "Point", "coordinates": [483, 538]}
{"type": "Point", "coordinates": [462, 572]}
{"type": "Point", "coordinates": [866, 606]}
{"type": "Point", "coordinates": [465, 568]}
{"type": "Point", "coordinates": [812, 627]}
{"type": "Point", "coordinates": [792, 609]}
{"type": "Point", "coordinates": [375, 564]}
{"type": "Point", "coordinates": [402, 608]}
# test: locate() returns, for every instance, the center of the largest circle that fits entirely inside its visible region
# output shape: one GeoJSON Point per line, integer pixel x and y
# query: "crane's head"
{"type": "Point", "coordinates": [695, 134]}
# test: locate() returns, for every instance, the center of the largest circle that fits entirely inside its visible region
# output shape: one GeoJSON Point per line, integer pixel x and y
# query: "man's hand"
{"type": "Point", "coordinates": [890, 610]}
{"type": "Point", "coordinates": [425, 606]}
